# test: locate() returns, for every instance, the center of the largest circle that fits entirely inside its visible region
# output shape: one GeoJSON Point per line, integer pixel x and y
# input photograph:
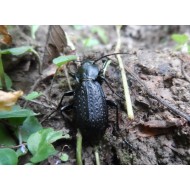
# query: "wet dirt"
{"type": "Point", "coordinates": [157, 135]}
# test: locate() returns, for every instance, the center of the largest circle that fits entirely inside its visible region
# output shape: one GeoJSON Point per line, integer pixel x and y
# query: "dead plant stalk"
{"type": "Point", "coordinates": [128, 104]}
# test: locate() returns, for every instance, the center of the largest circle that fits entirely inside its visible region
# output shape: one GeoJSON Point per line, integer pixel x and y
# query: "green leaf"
{"type": "Point", "coordinates": [5, 137]}
{"type": "Point", "coordinates": [17, 50]}
{"type": "Point", "coordinates": [180, 38]}
{"type": "Point", "coordinates": [43, 153]}
{"type": "Point", "coordinates": [34, 29]}
{"type": "Point", "coordinates": [64, 157]}
{"type": "Point", "coordinates": [7, 81]}
{"type": "Point", "coordinates": [39, 144]}
{"type": "Point", "coordinates": [29, 126]}
{"type": "Point", "coordinates": [90, 42]}
{"type": "Point", "coordinates": [16, 111]}
{"type": "Point", "coordinates": [66, 136]}
{"type": "Point", "coordinates": [101, 33]}
{"type": "Point", "coordinates": [16, 122]}
{"type": "Point", "coordinates": [8, 157]}
{"type": "Point", "coordinates": [32, 95]}
{"type": "Point", "coordinates": [59, 61]}
{"type": "Point", "coordinates": [54, 136]}
{"type": "Point", "coordinates": [178, 47]}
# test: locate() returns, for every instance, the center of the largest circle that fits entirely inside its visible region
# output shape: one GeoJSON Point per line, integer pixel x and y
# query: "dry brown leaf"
{"type": "Point", "coordinates": [149, 132]}
{"type": "Point", "coordinates": [8, 99]}
{"type": "Point", "coordinates": [5, 37]}
{"type": "Point", "coordinates": [56, 42]}
{"type": "Point", "coordinates": [154, 128]}
{"type": "Point", "coordinates": [161, 124]}
{"type": "Point", "coordinates": [49, 71]}
{"type": "Point", "coordinates": [156, 124]}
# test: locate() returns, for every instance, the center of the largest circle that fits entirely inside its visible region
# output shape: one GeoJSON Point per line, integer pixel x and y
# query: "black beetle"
{"type": "Point", "coordinates": [89, 103]}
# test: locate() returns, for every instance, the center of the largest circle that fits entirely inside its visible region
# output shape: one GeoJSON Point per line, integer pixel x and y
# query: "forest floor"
{"type": "Point", "coordinates": [157, 135]}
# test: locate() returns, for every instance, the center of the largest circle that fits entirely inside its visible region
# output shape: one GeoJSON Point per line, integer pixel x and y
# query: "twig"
{"type": "Point", "coordinates": [105, 67]}
{"type": "Point", "coordinates": [97, 155]}
{"type": "Point", "coordinates": [39, 61]}
{"type": "Point", "coordinates": [67, 76]}
{"type": "Point", "coordinates": [13, 147]}
{"type": "Point", "coordinates": [39, 103]}
{"type": "Point", "coordinates": [152, 95]}
{"type": "Point", "coordinates": [36, 83]}
{"type": "Point", "coordinates": [51, 85]}
{"type": "Point", "coordinates": [79, 148]}
{"type": "Point", "coordinates": [124, 78]}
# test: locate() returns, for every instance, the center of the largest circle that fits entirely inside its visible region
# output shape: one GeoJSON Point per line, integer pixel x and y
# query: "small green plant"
{"type": "Point", "coordinates": [61, 60]}
{"type": "Point", "coordinates": [40, 144]}
{"type": "Point", "coordinates": [25, 127]}
{"type": "Point", "coordinates": [20, 130]}
{"type": "Point", "coordinates": [183, 42]}
{"type": "Point", "coordinates": [5, 82]}
{"type": "Point", "coordinates": [90, 42]}
{"type": "Point", "coordinates": [101, 33]}
{"type": "Point", "coordinates": [97, 35]}
{"type": "Point", "coordinates": [34, 29]}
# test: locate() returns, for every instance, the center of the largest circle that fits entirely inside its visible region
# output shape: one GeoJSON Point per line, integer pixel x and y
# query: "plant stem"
{"type": "Point", "coordinates": [2, 74]}
{"type": "Point", "coordinates": [106, 66]}
{"type": "Point", "coordinates": [124, 77]}
{"type": "Point", "coordinates": [13, 147]}
{"type": "Point", "coordinates": [97, 155]}
{"type": "Point", "coordinates": [79, 148]}
{"type": "Point", "coordinates": [39, 61]}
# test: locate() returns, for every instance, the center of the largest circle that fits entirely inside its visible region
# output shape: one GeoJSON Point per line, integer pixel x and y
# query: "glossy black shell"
{"type": "Point", "coordinates": [90, 108]}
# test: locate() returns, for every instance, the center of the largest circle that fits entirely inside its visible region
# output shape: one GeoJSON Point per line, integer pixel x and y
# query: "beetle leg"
{"type": "Point", "coordinates": [69, 93]}
{"type": "Point", "coordinates": [104, 79]}
{"type": "Point", "coordinates": [66, 108]}
{"type": "Point", "coordinates": [113, 104]}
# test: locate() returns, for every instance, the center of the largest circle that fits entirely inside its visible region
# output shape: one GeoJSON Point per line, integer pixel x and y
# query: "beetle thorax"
{"type": "Point", "coordinates": [88, 71]}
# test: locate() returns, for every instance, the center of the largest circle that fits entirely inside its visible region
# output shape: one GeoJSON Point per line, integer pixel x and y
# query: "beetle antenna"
{"type": "Point", "coordinates": [107, 56]}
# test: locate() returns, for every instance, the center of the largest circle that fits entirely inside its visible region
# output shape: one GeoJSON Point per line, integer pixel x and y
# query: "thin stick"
{"type": "Point", "coordinates": [124, 78]}
{"type": "Point", "coordinates": [105, 67]}
{"type": "Point", "coordinates": [39, 103]}
{"type": "Point", "coordinates": [38, 59]}
{"type": "Point", "coordinates": [67, 76]}
{"type": "Point", "coordinates": [13, 147]}
{"type": "Point", "coordinates": [97, 158]}
{"type": "Point", "coordinates": [79, 148]}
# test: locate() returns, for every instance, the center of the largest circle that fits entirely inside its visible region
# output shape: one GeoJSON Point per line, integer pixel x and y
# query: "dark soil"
{"type": "Point", "coordinates": [157, 135]}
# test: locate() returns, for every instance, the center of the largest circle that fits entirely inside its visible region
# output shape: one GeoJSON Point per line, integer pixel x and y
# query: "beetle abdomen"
{"type": "Point", "coordinates": [91, 115]}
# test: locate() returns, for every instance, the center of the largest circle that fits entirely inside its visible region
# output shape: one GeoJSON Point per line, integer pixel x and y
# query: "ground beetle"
{"type": "Point", "coordinates": [89, 103]}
